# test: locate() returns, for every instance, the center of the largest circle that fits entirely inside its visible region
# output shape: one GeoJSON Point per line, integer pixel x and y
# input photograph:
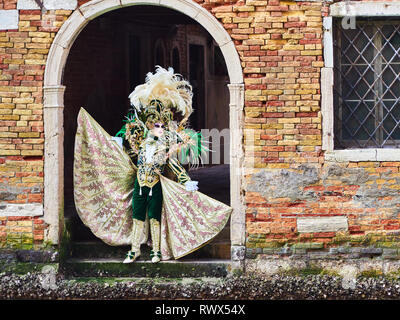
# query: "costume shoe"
{"type": "Point", "coordinates": [134, 253]}
{"type": "Point", "coordinates": [131, 256]}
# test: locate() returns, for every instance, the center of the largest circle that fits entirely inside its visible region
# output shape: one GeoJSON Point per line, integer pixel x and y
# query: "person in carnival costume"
{"type": "Point", "coordinates": [119, 201]}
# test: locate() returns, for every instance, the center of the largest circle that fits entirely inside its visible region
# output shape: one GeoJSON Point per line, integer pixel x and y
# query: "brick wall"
{"type": "Point", "coordinates": [281, 52]}
{"type": "Point", "coordinates": [23, 54]}
{"type": "Point", "coordinates": [280, 47]}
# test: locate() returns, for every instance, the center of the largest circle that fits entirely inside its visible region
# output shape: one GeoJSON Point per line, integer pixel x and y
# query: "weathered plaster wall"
{"type": "Point", "coordinates": [314, 203]}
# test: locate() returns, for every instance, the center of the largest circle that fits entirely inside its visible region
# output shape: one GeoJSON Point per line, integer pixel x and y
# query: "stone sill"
{"type": "Point", "coordinates": [324, 254]}
{"type": "Point", "coordinates": [21, 210]}
{"type": "Point", "coordinates": [47, 4]}
{"type": "Point", "coordinates": [363, 155]}
{"type": "Point", "coordinates": [364, 8]}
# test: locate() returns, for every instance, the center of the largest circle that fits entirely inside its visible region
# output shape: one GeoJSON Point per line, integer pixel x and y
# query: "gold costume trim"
{"type": "Point", "coordinates": [155, 234]}
{"type": "Point", "coordinates": [137, 227]}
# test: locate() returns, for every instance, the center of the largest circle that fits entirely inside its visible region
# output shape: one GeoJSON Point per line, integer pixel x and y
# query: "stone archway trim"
{"type": "Point", "coordinates": [82, 16]}
{"type": "Point", "coordinates": [54, 106]}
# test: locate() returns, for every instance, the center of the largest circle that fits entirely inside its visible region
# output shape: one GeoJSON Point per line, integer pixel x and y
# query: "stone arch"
{"type": "Point", "coordinates": [54, 105]}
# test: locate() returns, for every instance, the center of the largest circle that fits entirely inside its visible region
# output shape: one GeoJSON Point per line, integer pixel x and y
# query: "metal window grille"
{"type": "Point", "coordinates": [367, 84]}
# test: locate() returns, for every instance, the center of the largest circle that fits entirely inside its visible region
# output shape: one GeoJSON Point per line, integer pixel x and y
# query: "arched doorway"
{"type": "Point", "coordinates": [54, 107]}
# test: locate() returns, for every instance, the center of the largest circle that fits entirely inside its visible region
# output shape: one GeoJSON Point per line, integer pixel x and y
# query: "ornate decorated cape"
{"type": "Point", "coordinates": [104, 175]}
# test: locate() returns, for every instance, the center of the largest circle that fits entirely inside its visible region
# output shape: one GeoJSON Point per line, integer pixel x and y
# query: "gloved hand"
{"type": "Point", "coordinates": [191, 185]}
{"type": "Point", "coordinates": [118, 140]}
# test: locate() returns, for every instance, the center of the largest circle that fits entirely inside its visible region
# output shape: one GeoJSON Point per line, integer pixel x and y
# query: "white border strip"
{"type": "Point", "coordinates": [9, 19]}
{"type": "Point", "coordinates": [365, 8]}
{"type": "Point", "coordinates": [47, 4]}
{"type": "Point", "coordinates": [363, 155]}
{"type": "Point", "coordinates": [21, 210]}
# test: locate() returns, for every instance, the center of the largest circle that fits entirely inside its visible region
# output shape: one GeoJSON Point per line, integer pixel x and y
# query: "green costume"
{"type": "Point", "coordinates": [146, 202]}
{"type": "Point", "coordinates": [154, 104]}
{"type": "Point", "coordinates": [147, 192]}
{"type": "Point", "coordinates": [104, 176]}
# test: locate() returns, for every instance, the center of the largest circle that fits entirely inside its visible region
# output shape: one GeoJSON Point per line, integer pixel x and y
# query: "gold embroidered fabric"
{"type": "Point", "coordinates": [189, 219]}
{"type": "Point", "coordinates": [151, 162]}
{"type": "Point", "coordinates": [103, 185]}
{"type": "Point", "coordinates": [155, 230]}
{"type": "Point", "coordinates": [147, 174]}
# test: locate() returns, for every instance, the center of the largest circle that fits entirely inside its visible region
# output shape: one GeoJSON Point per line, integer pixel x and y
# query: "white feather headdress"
{"type": "Point", "coordinates": [167, 87]}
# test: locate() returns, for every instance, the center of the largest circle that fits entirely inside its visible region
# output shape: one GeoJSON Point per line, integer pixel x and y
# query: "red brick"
{"type": "Point", "coordinates": [294, 24]}
{"type": "Point", "coordinates": [272, 114]}
{"type": "Point", "coordinates": [19, 218]}
{"type": "Point", "coordinates": [324, 234]}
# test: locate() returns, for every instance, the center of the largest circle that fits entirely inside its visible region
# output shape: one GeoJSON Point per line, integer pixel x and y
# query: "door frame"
{"type": "Point", "coordinates": [53, 92]}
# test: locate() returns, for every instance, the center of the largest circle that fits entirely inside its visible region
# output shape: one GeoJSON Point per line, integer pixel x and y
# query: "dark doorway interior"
{"type": "Point", "coordinates": [112, 55]}
{"type": "Point", "coordinates": [196, 78]}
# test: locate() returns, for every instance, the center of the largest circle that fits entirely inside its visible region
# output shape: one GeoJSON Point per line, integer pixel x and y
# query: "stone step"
{"type": "Point", "coordinates": [216, 249]}
{"type": "Point", "coordinates": [167, 269]}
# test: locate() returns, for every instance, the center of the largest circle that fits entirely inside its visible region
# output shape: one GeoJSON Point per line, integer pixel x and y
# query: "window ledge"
{"type": "Point", "coordinates": [363, 155]}
{"type": "Point", "coordinates": [365, 8]}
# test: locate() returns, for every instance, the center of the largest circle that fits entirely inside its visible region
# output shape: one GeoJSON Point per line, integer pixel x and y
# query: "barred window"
{"type": "Point", "coordinates": [367, 84]}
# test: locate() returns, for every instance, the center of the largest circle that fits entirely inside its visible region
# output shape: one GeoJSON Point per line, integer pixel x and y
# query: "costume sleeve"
{"type": "Point", "coordinates": [178, 170]}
